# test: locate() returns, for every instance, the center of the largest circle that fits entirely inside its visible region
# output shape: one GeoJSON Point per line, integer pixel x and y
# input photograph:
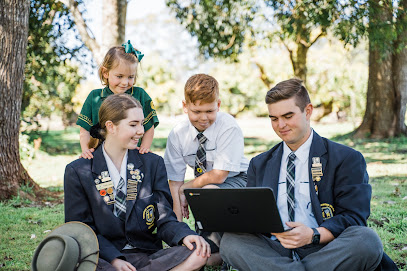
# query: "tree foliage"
{"type": "Point", "coordinates": [222, 27]}
{"type": "Point", "coordinates": [50, 75]}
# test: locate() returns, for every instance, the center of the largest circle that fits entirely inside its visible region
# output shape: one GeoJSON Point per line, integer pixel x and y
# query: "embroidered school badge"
{"type": "Point", "coordinates": [148, 215]}
{"type": "Point", "coordinates": [327, 211]}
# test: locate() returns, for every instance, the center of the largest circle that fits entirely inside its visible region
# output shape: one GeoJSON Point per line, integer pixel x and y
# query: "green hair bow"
{"type": "Point", "coordinates": [128, 48]}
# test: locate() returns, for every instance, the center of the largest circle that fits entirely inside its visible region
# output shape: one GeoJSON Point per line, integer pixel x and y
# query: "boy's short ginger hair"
{"type": "Point", "coordinates": [201, 87]}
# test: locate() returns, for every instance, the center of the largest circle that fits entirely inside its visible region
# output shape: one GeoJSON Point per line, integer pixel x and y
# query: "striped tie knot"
{"type": "Point", "coordinates": [292, 156]}
{"type": "Point", "coordinates": [201, 138]}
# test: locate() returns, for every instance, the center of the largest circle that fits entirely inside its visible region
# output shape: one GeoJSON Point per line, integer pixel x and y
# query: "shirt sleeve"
{"type": "Point", "coordinates": [229, 150]}
{"type": "Point", "coordinates": [173, 159]}
{"type": "Point", "coordinates": [85, 117]}
{"type": "Point", "coordinates": [150, 114]}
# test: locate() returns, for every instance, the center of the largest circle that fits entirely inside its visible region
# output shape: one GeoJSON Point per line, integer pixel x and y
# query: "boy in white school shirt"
{"type": "Point", "coordinates": [210, 142]}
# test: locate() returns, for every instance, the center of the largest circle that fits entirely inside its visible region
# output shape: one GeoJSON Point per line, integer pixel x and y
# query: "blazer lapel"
{"type": "Point", "coordinates": [317, 149]}
{"type": "Point", "coordinates": [98, 166]}
{"type": "Point", "coordinates": [135, 172]}
{"type": "Point", "coordinates": [272, 171]}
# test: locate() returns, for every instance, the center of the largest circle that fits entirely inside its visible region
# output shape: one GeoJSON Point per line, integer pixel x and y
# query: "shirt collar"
{"type": "Point", "coordinates": [302, 153]}
{"type": "Point", "coordinates": [209, 133]}
{"type": "Point", "coordinates": [113, 172]}
{"type": "Point", "coordinates": [107, 92]}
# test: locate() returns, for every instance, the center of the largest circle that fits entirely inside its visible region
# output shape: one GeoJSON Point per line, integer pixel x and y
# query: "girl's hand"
{"type": "Point", "coordinates": [122, 265]}
{"type": "Point", "coordinates": [143, 150]}
{"type": "Point", "coordinates": [202, 247]}
{"type": "Point", "coordinates": [87, 154]}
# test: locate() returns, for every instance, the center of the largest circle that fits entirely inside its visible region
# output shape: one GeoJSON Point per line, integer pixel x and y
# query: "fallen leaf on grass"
{"type": "Point", "coordinates": [33, 236]}
{"type": "Point", "coordinates": [38, 222]}
{"type": "Point", "coordinates": [396, 192]}
{"type": "Point", "coordinates": [389, 202]}
{"type": "Point", "coordinates": [385, 219]}
{"type": "Point", "coordinates": [377, 222]}
{"type": "Point", "coordinates": [46, 231]}
{"type": "Point", "coordinates": [400, 246]}
{"type": "Point", "coordinates": [405, 198]}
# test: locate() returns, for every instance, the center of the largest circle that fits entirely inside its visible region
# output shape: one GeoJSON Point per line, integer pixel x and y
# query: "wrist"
{"type": "Point", "coordinates": [316, 237]}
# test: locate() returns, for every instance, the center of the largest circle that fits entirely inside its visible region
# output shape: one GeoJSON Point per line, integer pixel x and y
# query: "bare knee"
{"type": "Point", "coordinates": [210, 186]}
{"type": "Point", "coordinates": [193, 262]}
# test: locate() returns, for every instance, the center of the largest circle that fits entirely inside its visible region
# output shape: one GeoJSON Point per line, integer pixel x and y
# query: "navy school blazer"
{"type": "Point", "coordinates": [152, 209]}
{"type": "Point", "coordinates": [344, 194]}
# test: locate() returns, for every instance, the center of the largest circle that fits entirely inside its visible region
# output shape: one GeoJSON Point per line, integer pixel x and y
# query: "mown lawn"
{"type": "Point", "coordinates": [24, 224]}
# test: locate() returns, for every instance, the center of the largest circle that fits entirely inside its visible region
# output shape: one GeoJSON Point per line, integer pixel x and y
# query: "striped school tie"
{"type": "Point", "coordinates": [291, 195]}
{"type": "Point", "coordinates": [200, 159]}
{"type": "Point", "coordinates": [120, 201]}
{"type": "Point", "coordinates": [290, 186]}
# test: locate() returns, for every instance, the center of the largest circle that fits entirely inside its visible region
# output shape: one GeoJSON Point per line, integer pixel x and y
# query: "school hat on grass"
{"type": "Point", "coordinates": [71, 246]}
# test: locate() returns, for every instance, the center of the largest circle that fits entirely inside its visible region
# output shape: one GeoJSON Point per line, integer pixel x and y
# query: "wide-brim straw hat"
{"type": "Point", "coordinates": [71, 246]}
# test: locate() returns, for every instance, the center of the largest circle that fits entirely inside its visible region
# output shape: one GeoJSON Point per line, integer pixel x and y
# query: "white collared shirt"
{"type": "Point", "coordinates": [303, 207]}
{"type": "Point", "coordinates": [114, 173]}
{"type": "Point", "coordinates": [224, 147]}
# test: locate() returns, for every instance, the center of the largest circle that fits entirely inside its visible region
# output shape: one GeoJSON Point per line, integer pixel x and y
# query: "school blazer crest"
{"type": "Point", "coordinates": [343, 197]}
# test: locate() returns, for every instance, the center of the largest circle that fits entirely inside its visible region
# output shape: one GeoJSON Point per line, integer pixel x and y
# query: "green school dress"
{"type": "Point", "coordinates": [89, 115]}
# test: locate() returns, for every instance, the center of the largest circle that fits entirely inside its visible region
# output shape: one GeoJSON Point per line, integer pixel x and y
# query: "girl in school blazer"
{"type": "Point", "coordinates": [132, 238]}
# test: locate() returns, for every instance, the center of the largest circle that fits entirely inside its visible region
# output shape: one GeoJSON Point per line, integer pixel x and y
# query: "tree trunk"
{"type": "Point", "coordinates": [114, 23]}
{"type": "Point", "coordinates": [400, 77]}
{"type": "Point", "coordinates": [383, 98]}
{"type": "Point", "coordinates": [13, 33]}
{"type": "Point", "coordinates": [379, 120]}
{"type": "Point", "coordinates": [298, 58]}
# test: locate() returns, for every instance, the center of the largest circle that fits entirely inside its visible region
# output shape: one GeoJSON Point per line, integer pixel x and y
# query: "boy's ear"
{"type": "Point", "coordinates": [219, 102]}
{"type": "Point", "coordinates": [184, 106]}
{"type": "Point", "coordinates": [308, 110]}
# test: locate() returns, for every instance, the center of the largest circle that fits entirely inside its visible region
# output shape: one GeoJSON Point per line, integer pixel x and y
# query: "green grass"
{"type": "Point", "coordinates": [386, 163]}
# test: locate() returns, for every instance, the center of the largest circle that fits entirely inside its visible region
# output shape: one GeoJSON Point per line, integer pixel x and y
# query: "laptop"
{"type": "Point", "coordinates": [249, 209]}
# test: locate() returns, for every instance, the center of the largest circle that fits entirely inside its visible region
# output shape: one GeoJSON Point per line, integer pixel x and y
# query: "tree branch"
{"type": "Point", "coordinates": [322, 33]}
{"type": "Point", "coordinates": [263, 75]}
{"type": "Point", "coordinates": [83, 29]}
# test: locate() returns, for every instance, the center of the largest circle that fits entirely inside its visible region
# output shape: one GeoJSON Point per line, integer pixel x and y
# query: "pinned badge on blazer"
{"type": "Point", "coordinates": [131, 189]}
{"type": "Point", "coordinates": [316, 162]}
{"type": "Point", "coordinates": [316, 172]}
{"type": "Point", "coordinates": [130, 166]}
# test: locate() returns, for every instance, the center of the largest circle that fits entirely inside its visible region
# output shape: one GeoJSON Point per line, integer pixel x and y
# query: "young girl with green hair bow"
{"type": "Point", "coordinates": [118, 73]}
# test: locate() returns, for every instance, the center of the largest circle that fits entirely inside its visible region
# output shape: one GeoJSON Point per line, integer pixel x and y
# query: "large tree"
{"type": "Point", "coordinates": [113, 25]}
{"type": "Point", "coordinates": [387, 83]}
{"type": "Point", "coordinates": [13, 32]}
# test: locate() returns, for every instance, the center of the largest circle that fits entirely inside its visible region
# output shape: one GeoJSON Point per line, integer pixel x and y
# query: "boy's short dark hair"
{"type": "Point", "coordinates": [288, 89]}
{"type": "Point", "coordinates": [201, 87]}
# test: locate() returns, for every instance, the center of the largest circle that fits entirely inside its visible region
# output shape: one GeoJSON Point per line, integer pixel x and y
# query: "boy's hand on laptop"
{"type": "Point", "coordinates": [299, 235]}
{"type": "Point", "coordinates": [184, 205]}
